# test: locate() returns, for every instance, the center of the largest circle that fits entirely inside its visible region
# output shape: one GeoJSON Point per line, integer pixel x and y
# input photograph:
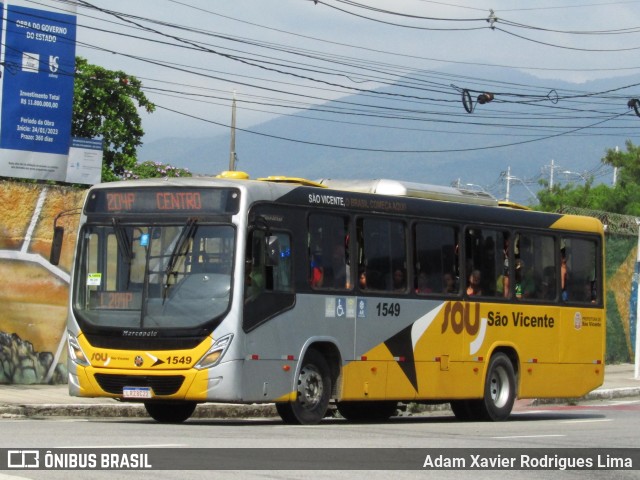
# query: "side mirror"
{"type": "Point", "coordinates": [273, 250]}
{"type": "Point", "coordinates": [56, 245]}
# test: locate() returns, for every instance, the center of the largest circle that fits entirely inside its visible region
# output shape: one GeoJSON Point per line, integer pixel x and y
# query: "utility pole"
{"type": "Point", "coordinates": [232, 153]}
{"type": "Point", "coordinates": [615, 170]}
{"type": "Point", "coordinates": [508, 183]}
{"type": "Point", "coordinates": [551, 176]}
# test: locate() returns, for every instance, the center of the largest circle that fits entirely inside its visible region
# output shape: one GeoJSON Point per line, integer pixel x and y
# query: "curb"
{"type": "Point", "coordinates": [133, 410]}
{"type": "Point", "coordinates": [229, 411]}
{"type": "Point", "coordinates": [604, 394]}
{"type": "Point", "coordinates": [614, 393]}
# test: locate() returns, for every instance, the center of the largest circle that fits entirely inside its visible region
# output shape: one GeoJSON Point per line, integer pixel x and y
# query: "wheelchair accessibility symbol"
{"type": "Point", "coordinates": [339, 307]}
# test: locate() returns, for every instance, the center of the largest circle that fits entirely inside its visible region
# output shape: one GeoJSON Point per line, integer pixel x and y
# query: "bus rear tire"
{"type": "Point", "coordinates": [499, 389]}
{"type": "Point", "coordinates": [377, 411]}
{"type": "Point", "coordinates": [313, 392]}
{"type": "Point", "coordinates": [170, 412]}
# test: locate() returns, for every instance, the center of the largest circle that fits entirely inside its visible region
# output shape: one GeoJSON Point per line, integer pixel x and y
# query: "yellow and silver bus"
{"type": "Point", "coordinates": [303, 293]}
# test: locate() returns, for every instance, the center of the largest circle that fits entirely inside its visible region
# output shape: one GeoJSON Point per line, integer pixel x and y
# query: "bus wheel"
{"type": "Point", "coordinates": [171, 412]}
{"type": "Point", "coordinates": [313, 392]}
{"type": "Point", "coordinates": [499, 389]}
{"type": "Point", "coordinates": [367, 411]}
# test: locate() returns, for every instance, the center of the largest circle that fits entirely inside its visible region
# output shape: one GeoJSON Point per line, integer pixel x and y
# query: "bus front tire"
{"type": "Point", "coordinates": [170, 412]}
{"type": "Point", "coordinates": [313, 392]}
{"type": "Point", "coordinates": [370, 411]}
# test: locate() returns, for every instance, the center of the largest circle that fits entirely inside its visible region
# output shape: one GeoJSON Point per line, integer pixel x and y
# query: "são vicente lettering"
{"type": "Point", "coordinates": [519, 319]}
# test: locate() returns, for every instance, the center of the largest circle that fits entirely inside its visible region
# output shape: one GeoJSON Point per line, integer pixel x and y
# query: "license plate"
{"type": "Point", "coordinates": [137, 392]}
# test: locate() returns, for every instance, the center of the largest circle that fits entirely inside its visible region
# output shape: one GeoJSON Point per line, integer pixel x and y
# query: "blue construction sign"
{"type": "Point", "coordinates": [37, 93]}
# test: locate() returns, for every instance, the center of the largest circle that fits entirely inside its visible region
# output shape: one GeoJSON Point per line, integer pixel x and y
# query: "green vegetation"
{"type": "Point", "coordinates": [105, 105]}
{"type": "Point", "coordinates": [150, 169]}
{"type": "Point", "coordinates": [623, 198]}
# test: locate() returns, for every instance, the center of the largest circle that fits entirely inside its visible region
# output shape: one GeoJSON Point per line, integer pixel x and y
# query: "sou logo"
{"type": "Point", "coordinates": [461, 318]}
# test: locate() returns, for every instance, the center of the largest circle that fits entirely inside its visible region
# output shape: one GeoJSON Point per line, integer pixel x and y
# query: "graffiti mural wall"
{"type": "Point", "coordinates": [34, 293]}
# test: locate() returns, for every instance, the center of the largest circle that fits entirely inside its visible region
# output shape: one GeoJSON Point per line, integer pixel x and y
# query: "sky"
{"type": "Point", "coordinates": [193, 54]}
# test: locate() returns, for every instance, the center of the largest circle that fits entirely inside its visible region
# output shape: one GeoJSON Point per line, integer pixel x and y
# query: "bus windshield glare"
{"type": "Point", "coordinates": [152, 277]}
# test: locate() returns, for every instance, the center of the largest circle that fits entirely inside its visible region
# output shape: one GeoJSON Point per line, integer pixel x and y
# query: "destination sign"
{"type": "Point", "coordinates": [164, 200]}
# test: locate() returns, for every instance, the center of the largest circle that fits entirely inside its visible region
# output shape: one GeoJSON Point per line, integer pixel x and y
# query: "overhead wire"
{"type": "Point", "coordinates": [406, 110]}
{"type": "Point", "coordinates": [343, 86]}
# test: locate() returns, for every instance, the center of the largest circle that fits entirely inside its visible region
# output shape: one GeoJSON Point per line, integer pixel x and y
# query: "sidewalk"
{"type": "Point", "coordinates": [54, 400]}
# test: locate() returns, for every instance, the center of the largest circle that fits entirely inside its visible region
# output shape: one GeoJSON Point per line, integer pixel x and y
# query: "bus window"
{"type": "Point", "coordinates": [535, 267]}
{"type": "Point", "coordinates": [281, 272]}
{"type": "Point", "coordinates": [382, 254]}
{"type": "Point", "coordinates": [487, 257]}
{"type": "Point", "coordinates": [579, 270]}
{"type": "Point", "coordinates": [436, 258]}
{"type": "Point", "coordinates": [329, 266]}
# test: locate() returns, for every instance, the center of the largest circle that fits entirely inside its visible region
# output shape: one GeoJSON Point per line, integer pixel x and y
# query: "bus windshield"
{"type": "Point", "coordinates": [153, 277]}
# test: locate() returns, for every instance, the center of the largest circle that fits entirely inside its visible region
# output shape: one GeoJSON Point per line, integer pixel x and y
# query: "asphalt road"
{"type": "Point", "coordinates": [596, 425]}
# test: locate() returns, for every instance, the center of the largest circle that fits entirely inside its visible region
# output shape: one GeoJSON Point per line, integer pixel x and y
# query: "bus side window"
{"type": "Point", "coordinates": [382, 254]}
{"type": "Point", "coordinates": [579, 270]}
{"type": "Point", "coordinates": [436, 259]}
{"type": "Point", "coordinates": [328, 251]}
{"type": "Point", "coordinates": [535, 279]}
{"type": "Point", "coordinates": [259, 275]}
{"type": "Point", "coordinates": [254, 270]}
{"type": "Point", "coordinates": [485, 253]}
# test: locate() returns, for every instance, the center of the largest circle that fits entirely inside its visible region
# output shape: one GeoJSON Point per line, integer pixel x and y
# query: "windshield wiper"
{"type": "Point", "coordinates": [187, 233]}
{"type": "Point", "coordinates": [124, 244]}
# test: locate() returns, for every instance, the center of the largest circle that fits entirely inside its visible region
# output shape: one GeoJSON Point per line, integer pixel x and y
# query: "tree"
{"type": "Point", "coordinates": [623, 198]}
{"type": "Point", "coordinates": [583, 196]}
{"type": "Point", "coordinates": [105, 105]}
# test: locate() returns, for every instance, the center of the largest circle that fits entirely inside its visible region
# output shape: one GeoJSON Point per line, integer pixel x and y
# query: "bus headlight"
{"type": "Point", "coordinates": [215, 353]}
{"type": "Point", "coordinates": [75, 351]}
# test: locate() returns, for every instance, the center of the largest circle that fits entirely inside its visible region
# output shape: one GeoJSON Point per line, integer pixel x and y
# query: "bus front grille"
{"type": "Point", "coordinates": [161, 385]}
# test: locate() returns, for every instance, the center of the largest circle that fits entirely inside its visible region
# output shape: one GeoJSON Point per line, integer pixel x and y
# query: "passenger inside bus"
{"type": "Point", "coordinates": [564, 275]}
{"type": "Point", "coordinates": [254, 281]}
{"type": "Point", "coordinates": [449, 283]}
{"type": "Point", "coordinates": [504, 278]}
{"type": "Point", "coordinates": [423, 283]}
{"type": "Point", "coordinates": [362, 280]}
{"type": "Point", "coordinates": [317, 276]}
{"type": "Point", "coordinates": [339, 267]}
{"type": "Point", "coordinates": [399, 280]}
{"type": "Point", "coordinates": [473, 287]}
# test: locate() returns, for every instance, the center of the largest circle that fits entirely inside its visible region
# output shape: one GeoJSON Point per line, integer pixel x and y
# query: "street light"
{"type": "Point", "coordinates": [569, 172]}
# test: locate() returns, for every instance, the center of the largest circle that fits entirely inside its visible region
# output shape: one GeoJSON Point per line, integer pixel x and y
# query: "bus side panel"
{"type": "Point", "coordinates": [559, 380]}
{"type": "Point", "coordinates": [275, 349]}
{"type": "Point", "coordinates": [582, 335]}
{"type": "Point", "coordinates": [444, 354]}
{"type": "Point", "coordinates": [448, 380]}
{"type": "Point", "coordinates": [268, 380]}
{"type": "Point", "coordinates": [366, 379]}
